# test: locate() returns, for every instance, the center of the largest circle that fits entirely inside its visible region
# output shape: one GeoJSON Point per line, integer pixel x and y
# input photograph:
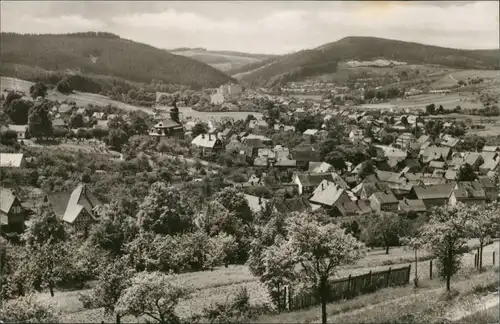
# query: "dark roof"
{"type": "Point", "coordinates": [412, 205]}
{"type": "Point", "coordinates": [469, 190]}
{"type": "Point", "coordinates": [68, 205]}
{"type": "Point", "coordinates": [486, 182]}
{"type": "Point", "coordinates": [168, 123]}
{"type": "Point", "coordinates": [385, 197]}
{"type": "Point", "coordinates": [305, 154]}
{"type": "Point", "coordinates": [314, 179]}
{"type": "Point", "coordinates": [437, 191]}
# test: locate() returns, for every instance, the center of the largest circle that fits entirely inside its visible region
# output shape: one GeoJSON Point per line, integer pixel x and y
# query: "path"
{"type": "Point", "coordinates": [482, 303]}
{"type": "Point", "coordinates": [451, 77]}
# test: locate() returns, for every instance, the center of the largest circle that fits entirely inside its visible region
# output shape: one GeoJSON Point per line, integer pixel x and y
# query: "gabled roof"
{"type": "Point", "coordinates": [450, 174]}
{"type": "Point", "coordinates": [11, 160]}
{"type": "Point", "coordinates": [7, 198]}
{"type": "Point", "coordinates": [205, 140]}
{"type": "Point", "coordinates": [319, 167]}
{"type": "Point", "coordinates": [327, 193]}
{"type": "Point", "coordinates": [166, 123]}
{"type": "Point", "coordinates": [314, 179]}
{"type": "Point", "coordinates": [412, 205]}
{"type": "Point", "coordinates": [64, 108]}
{"type": "Point", "coordinates": [18, 128]}
{"type": "Point", "coordinates": [486, 182]}
{"type": "Point", "coordinates": [472, 158]}
{"type": "Point", "coordinates": [58, 122]}
{"type": "Point", "coordinates": [310, 132]}
{"type": "Point", "coordinates": [437, 191]}
{"type": "Point", "coordinates": [491, 148]}
{"type": "Point", "coordinates": [431, 153]}
{"type": "Point", "coordinates": [255, 203]}
{"type": "Point", "coordinates": [469, 190]}
{"type": "Point", "coordinates": [437, 164]}
{"type": "Point", "coordinates": [385, 197]}
{"type": "Point", "coordinates": [68, 206]}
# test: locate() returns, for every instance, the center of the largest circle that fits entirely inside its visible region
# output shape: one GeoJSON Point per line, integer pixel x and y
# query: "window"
{"type": "Point", "coordinates": [16, 209]}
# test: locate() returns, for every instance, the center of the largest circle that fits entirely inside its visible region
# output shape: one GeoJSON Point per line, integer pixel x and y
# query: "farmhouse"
{"type": "Point", "coordinates": [12, 160]}
{"type": "Point", "coordinates": [412, 206]}
{"type": "Point", "coordinates": [77, 208]}
{"type": "Point", "coordinates": [466, 192]}
{"type": "Point", "coordinates": [384, 201]}
{"type": "Point", "coordinates": [207, 143]}
{"type": "Point", "coordinates": [12, 214]}
{"type": "Point", "coordinates": [433, 195]}
{"type": "Point", "coordinates": [306, 181]}
{"type": "Point", "coordinates": [340, 201]}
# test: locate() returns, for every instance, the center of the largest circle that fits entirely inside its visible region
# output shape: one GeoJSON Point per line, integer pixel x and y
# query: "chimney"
{"type": "Point", "coordinates": [322, 186]}
{"type": "Point", "coordinates": [209, 137]}
{"type": "Point", "coordinates": [260, 200]}
{"type": "Point", "coordinates": [203, 136]}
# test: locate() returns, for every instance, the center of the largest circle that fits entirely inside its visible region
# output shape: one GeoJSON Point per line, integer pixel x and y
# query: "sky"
{"type": "Point", "coordinates": [271, 27]}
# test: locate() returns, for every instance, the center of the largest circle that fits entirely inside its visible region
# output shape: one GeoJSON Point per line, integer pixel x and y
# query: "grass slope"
{"type": "Point", "coordinates": [222, 60]}
{"type": "Point", "coordinates": [324, 59]}
{"type": "Point", "coordinates": [106, 54]}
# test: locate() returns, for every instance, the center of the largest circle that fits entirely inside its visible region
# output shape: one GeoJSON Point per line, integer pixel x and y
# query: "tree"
{"type": "Point", "coordinates": [64, 86]}
{"type": "Point", "coordinates": [112, 282]}
{"type": "Point", "coordinates": [164, 211]}
{"type": "Point", "coordinates": [483, 223]}
{"type": "Point", "coordinates": [11, 96]}
{"type": "Point", "coordinates": [466, 173]}
{"type": "Point", "coordinates": [39, 122]}
{"type": "Point", "coordinates": [38, 90]}
{"type": "Point", "coordinates": [18, 111]}
{"type": "Point", "coordinates": [8, 137]}
{"type": "Point", "coordinates": [45, 228]}
{"type": "Point", "coordinates": [26, 310]}
{"type": "Point", "coordinates": [199, 128]}
{"type": "Point", "coordinates": [174, 112]}
{"type": "Point", "coordinates": [117, 138]}
{"type": "Point", "coordinates": [76, 121]}
{"type": "Point", "coordinates": [445, 235]}
{"type": "Point", "coordinates": [316, 250]}
{"type": "Point", "coordinates": [383, 229]}
{"type": "Point", "coordinates": [430, 109]}
{"type": "Point", "coordinates": [153, 294]}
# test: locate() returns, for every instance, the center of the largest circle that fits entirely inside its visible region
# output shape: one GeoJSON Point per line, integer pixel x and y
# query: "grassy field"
{"type": "Point", "coordinates": [453, 77]}
{"type": "Point", "coordinates": [218, 285]}
{"type": "Point", "coordinates": [390, 305]}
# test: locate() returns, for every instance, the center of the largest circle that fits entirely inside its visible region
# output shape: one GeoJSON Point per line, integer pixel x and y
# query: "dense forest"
{"type": "Point", "coordinates": [322, 60]}
{"type": "Point", "coordinates": [106, 54]}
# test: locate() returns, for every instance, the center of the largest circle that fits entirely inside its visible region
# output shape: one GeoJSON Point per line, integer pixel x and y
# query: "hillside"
{"type": "Point", "coordinates": [222, 60]}
{"type": "Point", "coordinates": [324, 59]}
{"type": "Point", "coordinates": [106, 54]}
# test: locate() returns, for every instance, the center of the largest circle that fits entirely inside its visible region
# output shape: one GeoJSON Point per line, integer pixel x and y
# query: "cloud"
{"type": "Point", "coordinates": [73, 22]}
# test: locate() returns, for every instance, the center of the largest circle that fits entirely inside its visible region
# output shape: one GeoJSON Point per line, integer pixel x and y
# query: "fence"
{"type": "Point", "coordinates": [345, 288]}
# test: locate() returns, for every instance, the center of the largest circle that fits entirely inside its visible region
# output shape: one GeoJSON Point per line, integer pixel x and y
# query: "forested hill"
{"type": "Point", "coordinates": [324, 59]}
{"type": "Point", "coordinates": [107, 54]}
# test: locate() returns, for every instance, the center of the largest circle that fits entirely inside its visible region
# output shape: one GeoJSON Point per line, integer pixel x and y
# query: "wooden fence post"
{"type": "Point", "coordinates": [493, 257]}
{"type": "Point", "coordinates": [349, 286]}
{"type": "Point", "coordinates": [388, 277]}
{"type": "Point", "coordinates": [430, 270]}
{"type": "Point", "coordinates": [475, 261]}
{"type": "Point", "coordinates": [369, 280]}
{"type": "Point", "coordinates": [289, 298]}
{"type": "Point", "coordinates": [285, 297]}
{"type": "Point", "coordinates": [409, 274]}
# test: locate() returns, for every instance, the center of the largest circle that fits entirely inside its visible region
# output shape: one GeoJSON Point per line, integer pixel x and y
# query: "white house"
{"type": "Point", "coordinates": [19, 129]}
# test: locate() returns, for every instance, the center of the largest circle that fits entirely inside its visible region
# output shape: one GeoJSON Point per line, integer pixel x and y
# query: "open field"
{"type": "Point", "coordinates": [415, 103]}
{"type": "Point", "coordinates": [217, 285]}
{"type": "Point", "coordinates": [453, 77]}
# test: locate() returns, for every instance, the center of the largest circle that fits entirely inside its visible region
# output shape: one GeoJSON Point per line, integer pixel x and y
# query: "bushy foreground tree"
{"type": "Point", "coordinates": [26, 310]}
{"type": "Point", "coordinates": [309, 255]}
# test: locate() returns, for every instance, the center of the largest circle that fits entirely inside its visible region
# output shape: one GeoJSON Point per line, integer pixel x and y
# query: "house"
{"type": "Point", "coordinates": [226, 134]}
{"type": "Point", "coordinates": [284, 128]}
{"type": "Point", "coordinates": [64, 108]}
{"type": "Point", "coordinates": [207, 143]}
{"type": "Point", "coordinates": [490, 162]}
{"type": "Point", "coordinates": [166, 127]}
{"type": "Point", "coordinates": [491, 148]}
{"type": "Point", "coordinates": [254, 180]}
{"type": "Point", "coordinates": [59, 123]}
{"type": "Point", "coordinates": [262, 124]}
{"type": "Point", "coordinates": [12, 160]}
{"type": "Point", "coordinates": [80, 111]}
{"type": "Point", "coordinates": [98, 115]}
{"type": "Point", "coordinates": [77, 208]}
{"type": "Point", "coordinates": [432, 195]}
{"type": "Point", "coordinates": [19, 129]}
{"type": "Point", "coordinates": [281, 152]}
{"type": "Point", "coordinates": [489, 188]}
{"type": "Point", "coordinates": [285, 163]}
{"type": "Point", "coordinates": [468, 192]}
{"type": "Point", "coordinates": [331, 195]}
{"type": "Point", "coordinates": [473, 159]}
{"type": "Point", "coordinates": [412, 206]}
{"type": "Point", "coordinates": [356, 134]}
{"type": "Point", "coordinates": [437, 165]}
{"type": "Point", "coordinates": [319, 167]}
{"type": "Point", "coordinates": [307, 182]}
{"type": "Point", "coordinates": [450, 175]}
{"type": "Point", "coordinates": [101, 124]}
{"type": "Point", "coordinates": [435, 153]}
{"type": "Point", "coordinates": [404, 140]}
{"type": "Point", "coordinates": [12, 214]}
{"type": "Point", "coordinates": [384, 201]}
{"type": "Point", "coordinates": [234, 146]}
{"type": "Point", "coordinates": [366, 188]}
{"type": "Point", "coordinates": [310, 132]}
{"type": "Point", "coordinates": [305, 154]}
{"type": "Point", "coordinates": [291, 205]}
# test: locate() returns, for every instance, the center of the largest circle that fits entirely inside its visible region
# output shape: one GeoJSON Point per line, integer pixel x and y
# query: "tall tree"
{"type": "Point", "coordinates": [383, 230]}
{"type": "Point", "coordinates": [445, 235]}
{"type": "Point", "coordinates": [26, 310]}
{"type": "Point", "coordinates": [466, 173]}
{"type": "Point", "coordinates": [38, 90]}
{"type": "Point", "coordinates": [165, 211]}
{"type": "Point", "coordinates": [483, 224]}
{"type": "Point", "coordinates": [311, 254]}
{"type": "Point", "coordinates": [174, 112]}
{"type": "Point", "coordinates": [39, 122]}
{"type": "Point", "coordinates": [155, 295]}
{"type": "Point", "coordinates": [112, 282]}
{"type": "Point", "coordinates": [18, 111]}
